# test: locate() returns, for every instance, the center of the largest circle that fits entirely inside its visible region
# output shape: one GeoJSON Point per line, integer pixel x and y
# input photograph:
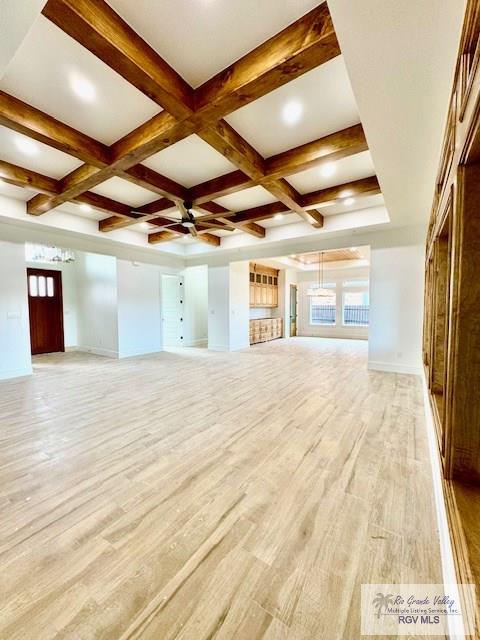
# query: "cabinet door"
{"type": "Point", "coordinates": [252, 295]}
{"type": "Point", "coordinates": [264, 294]}
{"type": "Point", "coordinates": [258, 295]}
{"type": "Point", "coordinates": [270, 296]}
{"type": "Point", "coordinates": [275, 296]}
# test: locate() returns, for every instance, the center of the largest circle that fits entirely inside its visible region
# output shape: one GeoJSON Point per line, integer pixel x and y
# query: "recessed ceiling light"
{"type": "Point", "coordinates": [144, 225]}
{"type": "Point", "coordinates": [278, 216]}
{"type": "Point", "coordinates": [25, 145]}
{"type": "Point", "coordinates": [294, 255]}
{"type": "Point", "coordinates": [292, 112]}
{"type": "Point", "coordinates": [349, 201]}
{"type": "Point", "coordinates": [328, 169]}
{"type": "Point", "coordinates": [86, 208]}
{"type": "Point", "coordinates": [82, 88]}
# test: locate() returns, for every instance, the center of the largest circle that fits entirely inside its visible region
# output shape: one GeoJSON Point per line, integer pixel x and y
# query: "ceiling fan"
{"type": "Point", "coordinates": [188, 221]}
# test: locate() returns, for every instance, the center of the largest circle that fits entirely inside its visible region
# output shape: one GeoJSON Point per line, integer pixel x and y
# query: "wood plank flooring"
{"type": "Point", "coordinates": [200, 496]}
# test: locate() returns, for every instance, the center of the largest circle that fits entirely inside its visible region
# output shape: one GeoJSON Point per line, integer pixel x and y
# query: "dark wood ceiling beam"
{"type": "Point", "coordinates": [250, 227]}
{"type": "Point", "coordinates": [145, 213]}
{"type": "Point", "coordinates": [23, 118]}
{"type": "Point", "coordinates": [357, 188]}
{"type": "Point", "coordinates": [32, 122]}
{"type": "Point", "coordinates": [149, 179]}
{"type": "Point", "coordinates": [97, 27]}
{"type": "Point", "coordinates": [162, 236]}
{"type": "Point", "coordinates": [230, 144]}
{"type": "Point", "coordinates": [331, 148]}
{"type": "Point", "coordinates": [221, 186]}
{"type": "Point", "coordinates": [293, 200]}
{"type": "Point", "coordinates": [21, 177]}
{"type": "Point", "coordinates": [302, 46]}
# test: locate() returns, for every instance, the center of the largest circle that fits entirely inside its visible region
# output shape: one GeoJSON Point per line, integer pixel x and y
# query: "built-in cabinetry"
{"type": "Point", "coordinates": [265, 329]}
{"type": "Point", "coordinates": [263, 286]}
{"type": "Point", "coordinates": [451, 344]}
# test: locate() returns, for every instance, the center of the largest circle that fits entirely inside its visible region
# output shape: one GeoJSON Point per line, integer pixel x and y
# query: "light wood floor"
{"type": "Point", "coordinates": [203, 496]}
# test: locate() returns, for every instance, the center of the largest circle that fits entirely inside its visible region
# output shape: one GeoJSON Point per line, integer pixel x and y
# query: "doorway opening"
{"type": "Point", "coordinates": [317, 294]}
{"type": "Point", "coordinates": [45, 307]}
{"type": "Point", "coordinates": [293, 310]}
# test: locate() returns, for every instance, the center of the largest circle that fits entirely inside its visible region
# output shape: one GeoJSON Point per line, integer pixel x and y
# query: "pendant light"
{"type": "Point", "coordinates": [318, 290]}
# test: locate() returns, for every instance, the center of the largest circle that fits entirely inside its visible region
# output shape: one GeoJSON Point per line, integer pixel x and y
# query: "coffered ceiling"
{"type": "Point", "coordinates": [182, 120]}
{"type": "Point", "coordinates": [209, 125]}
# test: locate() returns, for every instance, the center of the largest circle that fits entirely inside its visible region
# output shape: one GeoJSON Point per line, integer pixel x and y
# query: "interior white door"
{"type": "Point", "coordinates": [172, 310]}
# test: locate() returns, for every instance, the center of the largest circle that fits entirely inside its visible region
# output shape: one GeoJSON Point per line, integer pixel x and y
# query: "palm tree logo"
{"type": "Point", "coordinates": [382, 602]}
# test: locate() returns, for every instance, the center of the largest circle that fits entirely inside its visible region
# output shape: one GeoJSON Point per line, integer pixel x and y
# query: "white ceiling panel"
{"type": "Point", "coordinates": [359, 203]}
{"type": "Point", "coordinates": [199, 38]}
{"type": "Point", "coordinates": [246, 199]}
{"type": "Point", "coordinates": [126, 192]}
{"type": "Point", "coordinates": [77, 210]}
{"type": "Point", "coordinates": [19, 193]}
{"type": "Point", "coordinates": [47, 69]}
{"type": "Point", "coordinates": [345, 170]}
{"type": "Point", "coordinates": [312, 106]}
{"type": "Point", "coordinates": [287, 218]}
{"type": "Point", "coordinates": [190, 162]}
{"type": "Point", "coordinates": [30, 154]}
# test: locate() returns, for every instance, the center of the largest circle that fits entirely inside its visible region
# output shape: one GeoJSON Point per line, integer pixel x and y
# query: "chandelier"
{"type": "Point", "coordinates": [42, 253]}
{"type": "Point", "coordinates": [318, 290]}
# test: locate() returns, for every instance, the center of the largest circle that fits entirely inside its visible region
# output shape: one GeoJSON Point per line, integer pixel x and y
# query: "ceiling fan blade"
{"type": "Point", "coordinates": [193, 231]}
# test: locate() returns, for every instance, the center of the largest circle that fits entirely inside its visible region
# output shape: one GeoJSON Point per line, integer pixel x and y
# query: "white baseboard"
{"type": "Point", "coordinates": [70, 349]}
{"type": "Point", "coordinates": [238, 347]}
{"type": "Point", "coordinates": [222, 347]}
{"type": "Point", "coordinates": [217, 347]}
{"type": "Point", "coordinates": [395, 368]}
{"type": "Point", "coordinates": [455, 625]}
{"type": "Point", "coordinates": [140, 352]}
{"type": "Point", "coordinates": [200, 342]}
{"type": "Point", "coordinates": [108, 353]}
{"type": "Point", "coordinates": [16, 373]}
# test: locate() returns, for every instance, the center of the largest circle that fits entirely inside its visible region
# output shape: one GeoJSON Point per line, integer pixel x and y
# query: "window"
{"type": "Point", "coordinates": [323, 310]}
{"type": "Point", "coordinates": [33, 286]}
{"type": "Point", "coordinates": [41, 286]}
{"type": "Point", "coordinates": [356, 283]}
{"type": "Point", "coordinates": [355, 308]}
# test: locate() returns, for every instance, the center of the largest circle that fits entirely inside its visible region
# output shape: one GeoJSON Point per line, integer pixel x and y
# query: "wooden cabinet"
{"type": "Point", "coordinates": [265, 329]}
{"type": "Point", "coordinates": [263, 286]}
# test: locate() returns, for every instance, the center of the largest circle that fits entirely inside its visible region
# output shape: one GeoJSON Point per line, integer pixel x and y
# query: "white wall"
{"type": "Point", "coordinates": [228, 307]}
{"type": "Point", "coordinates": [337, 276]}
{"type": "Point", "coordinates": [218, 308]}
{"type": "Point", "coordinates": [15, 352]}
{"type": "Point", "coordinates": [69, 295]}
{"type": "Point", "coordinates": [396, 308]}
{"type": "Point", "coordinates": [239, 305]}
{"type": "Point", "coordinates": [196, 306]}
{"type": "Point", "coordinates": [97, 304]}
{"type": "Point", "coordinates": [138, 297]}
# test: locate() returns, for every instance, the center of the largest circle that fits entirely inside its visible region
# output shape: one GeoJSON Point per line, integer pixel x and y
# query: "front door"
{"type": "Point", "coordinates": [45, 309]}
{"type": "Point", "coordinates": [293, 310]}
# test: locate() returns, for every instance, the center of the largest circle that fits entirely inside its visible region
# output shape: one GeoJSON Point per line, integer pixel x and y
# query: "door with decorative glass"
{"type": "Point", "coordinates": [45, 307]}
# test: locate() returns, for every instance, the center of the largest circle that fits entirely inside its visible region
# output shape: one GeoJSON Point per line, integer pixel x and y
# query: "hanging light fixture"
{"type": "Point", "coordinates": [318, 290]}
{"type": "Point", "coordinates": [42, 253]}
